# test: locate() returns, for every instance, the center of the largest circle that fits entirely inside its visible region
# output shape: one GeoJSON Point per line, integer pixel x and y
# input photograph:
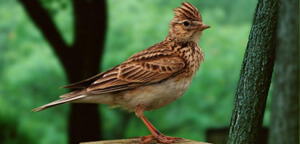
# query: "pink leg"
{"type": "Point", "coordinates": [156, 135]}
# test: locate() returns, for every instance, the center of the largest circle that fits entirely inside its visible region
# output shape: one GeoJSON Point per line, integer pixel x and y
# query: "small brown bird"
{"type": "Point", "coordinates": [150, 79]}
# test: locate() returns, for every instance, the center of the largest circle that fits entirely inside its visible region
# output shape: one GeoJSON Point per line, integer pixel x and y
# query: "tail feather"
{"type": "Point", "coordinates": [73, 93]}
{"type": "Point", "coordinates": [58, 102]}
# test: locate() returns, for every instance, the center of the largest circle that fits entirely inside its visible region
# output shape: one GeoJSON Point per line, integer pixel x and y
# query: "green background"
{"type": "Point", "coordinates": [30, 73]}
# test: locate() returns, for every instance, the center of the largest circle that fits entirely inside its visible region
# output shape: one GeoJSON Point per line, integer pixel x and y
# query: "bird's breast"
{"type": "Point", "coordinates": [154, 96]}
{"type": "Point", "coordinates": [193, 57]}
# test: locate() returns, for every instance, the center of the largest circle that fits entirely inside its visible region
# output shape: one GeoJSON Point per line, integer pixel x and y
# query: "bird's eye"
{"type": "Point", "coordinates": [186, 23]}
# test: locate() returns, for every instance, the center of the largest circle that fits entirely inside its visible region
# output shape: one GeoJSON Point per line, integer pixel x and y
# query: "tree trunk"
{"type": "Point", "coordinates": [256, 74]}
{"type": "Point", "coordinates": [90, 27]}
{"type": "Point", "coordinates": [285, 101]}
{"type": "Point", "coordinates": [84, 119]}
{"type": "Point", "coordinates": [81, 60]}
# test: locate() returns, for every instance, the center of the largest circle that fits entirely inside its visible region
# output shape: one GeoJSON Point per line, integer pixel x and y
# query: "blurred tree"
{"type": "Point", "coordinates": [285, 101]}
{"type": "Point", "coordinates": [255, 77]}
{"type": "Point", "coordinates": [79, 60]}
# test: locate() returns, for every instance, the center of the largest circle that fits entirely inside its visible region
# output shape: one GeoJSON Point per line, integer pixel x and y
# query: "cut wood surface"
{"type": "Point", "coordinates": [138, 141]}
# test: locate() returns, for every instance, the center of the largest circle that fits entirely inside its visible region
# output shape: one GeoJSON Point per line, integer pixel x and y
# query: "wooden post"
{"type": "Point", "coordinates": [138, 141]}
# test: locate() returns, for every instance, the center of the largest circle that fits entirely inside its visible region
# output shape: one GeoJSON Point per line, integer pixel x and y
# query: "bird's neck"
{"type": "Point", "coordinates": [190, 48]}
{"type": "Point", "coordinates": [179, 42]}
{"type": "Point", "coordinates": [192, 39]}
{"type": "Point", "coordinates": [189, 51]}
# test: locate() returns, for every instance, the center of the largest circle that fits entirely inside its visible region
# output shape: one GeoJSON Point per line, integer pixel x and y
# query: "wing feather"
{"type": "Point", "coordinates": [85, 83]}
{"type": "Point", "coordinates": [109, 89]}
{"type": "Point", "coordinates": [138, 73]}
{"type": "Point", "coordinates": [143, 68]}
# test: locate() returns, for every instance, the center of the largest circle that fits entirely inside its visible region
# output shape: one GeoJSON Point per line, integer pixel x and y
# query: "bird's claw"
{"type": "Point", "coordinates": [159, 138]}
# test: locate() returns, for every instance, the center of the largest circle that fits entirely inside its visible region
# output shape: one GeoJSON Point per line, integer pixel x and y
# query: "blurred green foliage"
{"type": "Point", "coordinates": [30, 73]}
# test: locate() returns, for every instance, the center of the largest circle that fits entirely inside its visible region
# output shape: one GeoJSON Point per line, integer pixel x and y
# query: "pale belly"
{"type": "Point", "coordinates": [153, 96]}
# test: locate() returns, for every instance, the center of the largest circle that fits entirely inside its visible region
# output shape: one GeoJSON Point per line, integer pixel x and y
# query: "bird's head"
{"type": "Point", "coordinates": [187, 24]}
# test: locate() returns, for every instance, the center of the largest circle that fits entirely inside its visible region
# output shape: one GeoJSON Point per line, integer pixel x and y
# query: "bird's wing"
{"type": "Point", "coordinates": [86, 83]}
{"type": "Point", "coordinates": [138, 70]}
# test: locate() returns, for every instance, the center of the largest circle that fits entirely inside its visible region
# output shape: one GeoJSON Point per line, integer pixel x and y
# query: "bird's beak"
{"type": "Point", "coordinates": [204, 26]}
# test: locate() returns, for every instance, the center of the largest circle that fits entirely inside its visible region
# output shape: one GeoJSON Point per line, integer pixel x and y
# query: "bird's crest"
{"type": "Point", "coordinates": [187, 11]}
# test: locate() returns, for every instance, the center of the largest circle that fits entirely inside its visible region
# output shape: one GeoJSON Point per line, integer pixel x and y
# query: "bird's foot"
{"type": "Point", "coordinates": [159, 138]}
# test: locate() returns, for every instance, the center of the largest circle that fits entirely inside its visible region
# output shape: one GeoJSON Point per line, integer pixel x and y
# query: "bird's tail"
{"type": "Point", "coordinates": [59, 102]}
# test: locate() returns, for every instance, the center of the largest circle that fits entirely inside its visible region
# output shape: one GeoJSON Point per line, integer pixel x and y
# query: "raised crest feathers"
{"type": "Point", "coordinates": [187, 11]}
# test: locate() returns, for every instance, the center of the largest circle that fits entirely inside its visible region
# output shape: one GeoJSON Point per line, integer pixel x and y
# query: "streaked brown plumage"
{"type": "Point", "coordinates": [149, 79]}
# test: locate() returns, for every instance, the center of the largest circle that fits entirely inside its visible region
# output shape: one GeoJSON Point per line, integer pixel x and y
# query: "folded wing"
{"type": "Point", "coordinates": [140, 69]}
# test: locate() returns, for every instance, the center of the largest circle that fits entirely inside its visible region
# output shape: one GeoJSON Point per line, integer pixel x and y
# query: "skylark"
{"type": "Point", "coordinates": [150, 79]}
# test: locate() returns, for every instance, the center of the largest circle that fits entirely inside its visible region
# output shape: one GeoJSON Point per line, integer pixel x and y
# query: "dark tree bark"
{"type": "Point", "coordinates": [80, 60]}
{"type": "Point", "coordinates": [285, 101]}
{"type": "Point", "coordinates": [256, 74]}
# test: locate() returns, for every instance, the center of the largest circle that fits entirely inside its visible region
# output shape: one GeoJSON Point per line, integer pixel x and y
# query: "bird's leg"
{"type": "Point", "coordinates": [156, 135]}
